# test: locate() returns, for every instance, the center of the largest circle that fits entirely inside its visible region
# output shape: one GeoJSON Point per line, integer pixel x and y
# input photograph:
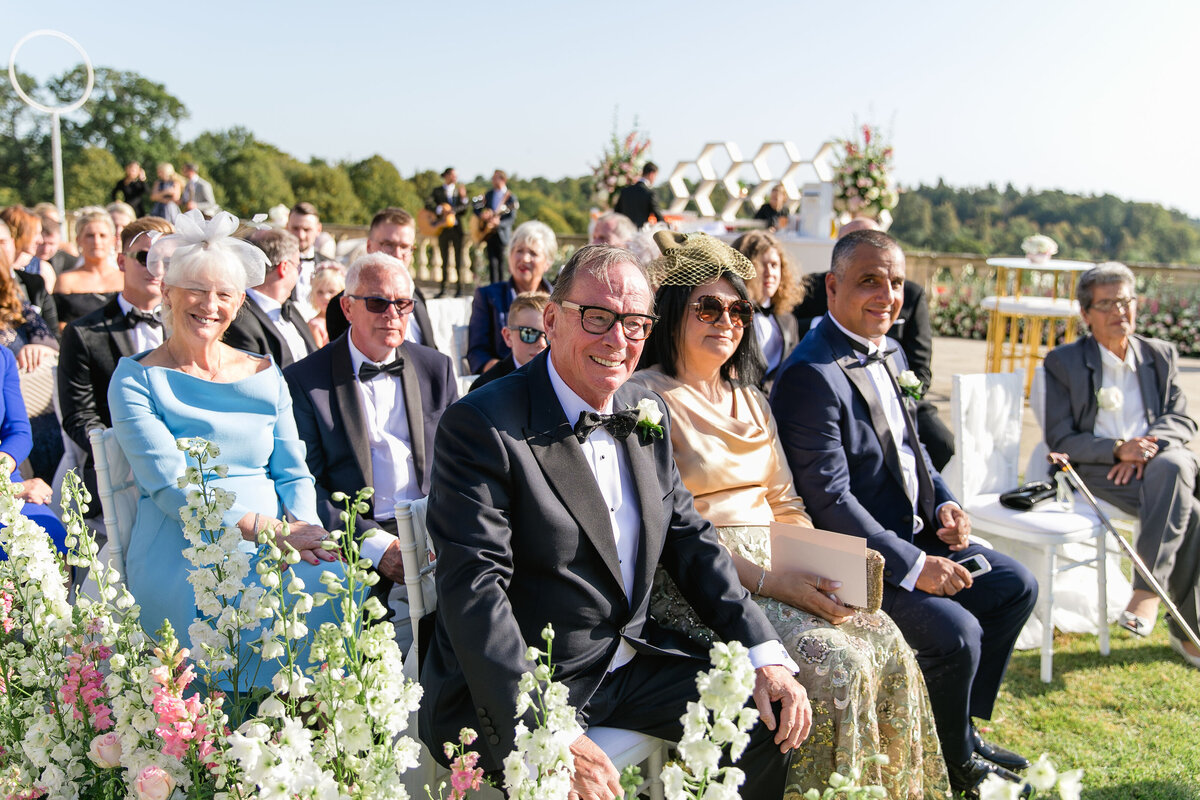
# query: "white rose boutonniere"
{"type": "Point", "coordinates": [910, 384]}
{"type": "Point", "coordinates": [1110, 398]}
{"type": "Point", "coordinates": [649, 417]}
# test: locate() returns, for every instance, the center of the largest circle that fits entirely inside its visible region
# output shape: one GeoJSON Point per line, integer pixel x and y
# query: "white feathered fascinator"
{"type": "Point", "coordinates": [198, 243]}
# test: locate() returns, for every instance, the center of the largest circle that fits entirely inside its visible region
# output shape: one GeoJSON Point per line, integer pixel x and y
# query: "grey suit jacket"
{"type": "Point", "coordinates": [200, 193]}
{"type": "Point", "coordinates": [1073, 377]}
{"type": "Point", "coordinates": [524, 539]}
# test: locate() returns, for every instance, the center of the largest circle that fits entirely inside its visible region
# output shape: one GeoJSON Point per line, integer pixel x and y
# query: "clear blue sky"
{"type": "Point", "coordinates": [1083, 96]}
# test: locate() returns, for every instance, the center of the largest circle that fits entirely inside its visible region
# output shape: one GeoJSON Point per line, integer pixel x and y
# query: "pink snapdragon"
{"type": "Point", "coordinates": [85, 683]}
{"type": "Point", "coordinates": [179, 718]}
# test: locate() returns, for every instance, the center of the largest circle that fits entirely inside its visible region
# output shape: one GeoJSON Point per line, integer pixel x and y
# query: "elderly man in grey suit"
{"type": "Point", "coordinates": [1114, 406]}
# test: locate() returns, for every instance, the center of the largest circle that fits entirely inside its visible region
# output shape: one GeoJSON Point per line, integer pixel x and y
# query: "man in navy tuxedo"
{"type": "Point", "coordinates": [850, 437]}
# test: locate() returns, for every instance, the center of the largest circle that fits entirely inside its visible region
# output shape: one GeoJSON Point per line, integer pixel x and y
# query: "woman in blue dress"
{"type": "Point", "coordinates": [194, 385]}
{"type": "Point", "coordinates": [16, 442]}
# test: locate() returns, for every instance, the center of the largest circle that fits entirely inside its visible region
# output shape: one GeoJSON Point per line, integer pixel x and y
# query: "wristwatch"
{"type": "Point", "coordinates": [1117, 446]}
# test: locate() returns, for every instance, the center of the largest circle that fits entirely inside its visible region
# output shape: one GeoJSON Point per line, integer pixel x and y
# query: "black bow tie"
{"type": "Point", "coordinates": [136, 315]}
{"type": "Point", "coordinates": [290, 312]}
{"type": "Point", "coordinates": [618, 425]}
{"type": "Point", "coordinates": [368, 370]}
{"type": "Point", "coordinates": [878, 357]}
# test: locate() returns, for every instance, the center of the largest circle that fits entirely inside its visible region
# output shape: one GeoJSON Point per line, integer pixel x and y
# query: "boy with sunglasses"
{"type": "Point", "coordinates": [524, 334]}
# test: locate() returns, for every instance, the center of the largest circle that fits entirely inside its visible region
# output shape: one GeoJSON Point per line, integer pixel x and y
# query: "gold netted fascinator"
{"type": "Point", "coordinates": [694, 259]}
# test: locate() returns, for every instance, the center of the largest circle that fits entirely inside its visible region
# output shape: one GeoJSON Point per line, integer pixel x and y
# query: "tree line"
{"type": "Point", "coordinates": [132, 118]}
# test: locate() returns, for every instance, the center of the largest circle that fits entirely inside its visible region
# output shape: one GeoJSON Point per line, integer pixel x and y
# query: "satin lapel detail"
{"type": "Point", "coordinates": [1147, 372]}
{"type": "Point", "coordinates": [640, 452]}
{"type": "Point", "coordinates": [278, 344]}
{"type": "Point", "coordinates": [552, 442]}
{"type": "Point", "coordinates": [118, 328]}
{"type": "Point", "coordinates": [857, 374]}
{"type": "Point", "coordinates": [350, 410]}
{"type": "Point", "coordinates": [415, 412]}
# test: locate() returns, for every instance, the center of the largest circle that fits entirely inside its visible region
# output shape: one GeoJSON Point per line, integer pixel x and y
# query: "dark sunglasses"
{"type": "Point", "coordinates": [710, 309]}
{"type": "Point", "coordinates": [142, 256]}
{"type": "Point", "coordinates": [528, 335]}
{"type": "Point", "coordinates": [379, 305]}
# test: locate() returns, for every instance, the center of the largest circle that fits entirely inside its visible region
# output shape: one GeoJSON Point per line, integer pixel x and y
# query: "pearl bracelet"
{"type": "Point", "coordinates": [762, 577]}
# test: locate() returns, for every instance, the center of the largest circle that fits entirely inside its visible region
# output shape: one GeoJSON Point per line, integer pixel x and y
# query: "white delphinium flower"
{"type": "Point", "coordinates": [1041, 774]}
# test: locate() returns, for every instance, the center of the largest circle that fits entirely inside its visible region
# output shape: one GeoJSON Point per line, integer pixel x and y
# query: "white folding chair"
{"type": "Point", "coordinates": [623, 747]}
{"type": "Point", "coordinates": [986, 415]}
{"type": "Point", "coordinates": [118, 495]}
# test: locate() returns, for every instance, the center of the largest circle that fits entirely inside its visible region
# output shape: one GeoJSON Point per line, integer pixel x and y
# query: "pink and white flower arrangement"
{"type": "Point", "coordinates": [620, 165]}
{"type": "Point", "coordinates": [863, 184]}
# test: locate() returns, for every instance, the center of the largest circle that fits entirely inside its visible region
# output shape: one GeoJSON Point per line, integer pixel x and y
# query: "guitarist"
{"type": "Point", "coordinates": [495, 212]}
{"type": "Point", "coordinates": [449, 204]}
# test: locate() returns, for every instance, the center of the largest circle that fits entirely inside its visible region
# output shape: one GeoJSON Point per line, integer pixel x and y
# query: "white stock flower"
{"type": "Point", "coordinates": [996, 788]}
{"type": "Point", "coordinates": [1070, 784]}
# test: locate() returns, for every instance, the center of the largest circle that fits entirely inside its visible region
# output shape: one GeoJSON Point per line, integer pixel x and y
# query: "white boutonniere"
{"type": "Point", "coordinates": [1110, 398]}
{"type": "Point", "coordinates": [649, 415]}
{"type": "Point", "coordinates": [910, 384]}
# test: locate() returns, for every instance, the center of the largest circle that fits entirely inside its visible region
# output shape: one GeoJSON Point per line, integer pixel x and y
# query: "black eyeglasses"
{"type": "Point", "coordinates": [709, 309]}
{"type": "Point", "coordinates": [599, 320]}
{"type": "Point", "coordinates": [1121, 304]}
{"type": "Point", "coordinates": [142, 256]}
{"type": "Point", "coordinates": [379, 305]}
{"type": "Point", "coordinates": [528, 335]}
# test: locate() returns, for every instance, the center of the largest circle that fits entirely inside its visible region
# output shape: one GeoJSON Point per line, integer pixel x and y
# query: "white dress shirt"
{"type": "Point", "coordinates": [274, 310]}
{"type": "Point", "coordinates": [610, 467]}
{"type": "Point", "coordinates": [392, 470]}
{"type": "Point", "coordinates": [890, 401]}
{"type": "Point", "coordinates": [770, 336]}
{"type": "Point", "coordinates": [1128, 421]}
{"type": "Point", "coordinates": [145, 336]}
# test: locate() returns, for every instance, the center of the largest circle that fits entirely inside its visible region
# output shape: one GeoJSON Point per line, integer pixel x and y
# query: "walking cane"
{"type": "Point", "coordinates": [1063, 462]}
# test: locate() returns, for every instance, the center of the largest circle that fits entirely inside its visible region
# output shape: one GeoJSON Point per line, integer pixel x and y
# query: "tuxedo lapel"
{"type": "Point", "coordinates": [279, 348]}
{"type": "Point", "coordinates": [1091, 360]}
{"type": "Point", "coordinates": [350, 411]}
{"type": "Point", "coordinates": [640, 452]}
{"type": "Point", "coordinates": [118, 328]}
{"type": "Point", "coordinates": [552, 441]}
{"type": "Point", "coordinates": [856, 373]}
{"type": "Point", "coordinates": [409, 381]}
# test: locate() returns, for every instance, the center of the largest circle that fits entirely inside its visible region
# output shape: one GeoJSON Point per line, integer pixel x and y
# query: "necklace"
{"type": "Point", "coordinates": [212, 374]}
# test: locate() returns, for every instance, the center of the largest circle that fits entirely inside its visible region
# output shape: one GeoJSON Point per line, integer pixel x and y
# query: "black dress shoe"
{"type": "Point", "coordinates": [998, 755]}
{"type": "Point", "coordinates": [965, 778]}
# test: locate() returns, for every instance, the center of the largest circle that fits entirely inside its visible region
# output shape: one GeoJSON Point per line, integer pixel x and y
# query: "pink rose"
{"type": "Point", "coordinates": [154, 783]}
{"type": "Point", "coordinates": [105, 751]}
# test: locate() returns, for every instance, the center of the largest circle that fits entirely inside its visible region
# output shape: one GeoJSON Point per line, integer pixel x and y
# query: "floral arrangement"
{"type": "Point", "coordinates": [719, 719]}
{"type": "Point", "coordinates": [863, 185]}
{"type": "Point", "coordinates": [92, 707]}
{"type": "Point", "coordinates": [1039, 245]}
{"type": "Point", "coordinates": [620, 165]}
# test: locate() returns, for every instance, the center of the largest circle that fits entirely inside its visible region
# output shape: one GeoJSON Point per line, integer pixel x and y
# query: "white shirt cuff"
{"type": "Point", "coordinates": [937, 512]}
{"type": "Point", "coordinates": [374, 544]}
{"type": "Point", "coordinates": [772, 654]}
{"type": "Point", "coordinates": [910, 580]}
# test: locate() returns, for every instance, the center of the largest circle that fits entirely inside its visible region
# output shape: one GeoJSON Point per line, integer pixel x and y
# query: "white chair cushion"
{"type": "Point", "coordinates": [1047, 525]}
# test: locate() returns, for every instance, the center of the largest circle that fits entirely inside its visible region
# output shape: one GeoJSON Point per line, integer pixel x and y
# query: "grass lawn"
{"type": "Point", "coordinates": [1131, 720]}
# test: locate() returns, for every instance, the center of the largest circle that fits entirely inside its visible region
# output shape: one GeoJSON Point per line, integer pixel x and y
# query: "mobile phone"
{"type": "Point", "coordinates": [976, 565]}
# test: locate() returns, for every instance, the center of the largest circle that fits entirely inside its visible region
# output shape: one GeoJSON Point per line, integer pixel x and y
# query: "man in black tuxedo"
{"type": "Point", "coordinates": [393, 232]}
{"type": "Point", "coordinates": [268, 321]}
{"type": "Point", "coordinates": [367, 406]}
{"type": "Point", "coordinates": [537, 522]}
{"type": "Point", "coordinates": [499, 205]}
{"type": "Point", "coordinates": [305, 224]}
{"type": "Point", "coordinates": [912, 329]}
{"type": "Point", "coordinates": [91, 345]}
{"type": "Point", "coordinates": [451, 198]}
{"type": "Point", "coordinates": [850, 439]}
{"type": "Point", "coordinates": [637, 200]}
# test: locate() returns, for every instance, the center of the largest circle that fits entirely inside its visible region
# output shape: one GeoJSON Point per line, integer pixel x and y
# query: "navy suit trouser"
{"type": "Point", "coordinates": [963, 642]}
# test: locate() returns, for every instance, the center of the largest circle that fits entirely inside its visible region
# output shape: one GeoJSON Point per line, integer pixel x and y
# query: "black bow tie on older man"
{"type": "Point", "coordinates": [368, 370]}
{"type": "Point", "coordinates": [879, 356]}
{"type": "Point", "coordinates": [136, 315]}
{"type": "Point", "coordinates": [618, 425]}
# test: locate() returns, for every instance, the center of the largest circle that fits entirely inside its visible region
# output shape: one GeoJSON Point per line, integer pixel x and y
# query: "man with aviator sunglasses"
{"type": "Point", "coordinates": [367, 406]}
{"type": "Point", "coordinates": [93, 344]}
